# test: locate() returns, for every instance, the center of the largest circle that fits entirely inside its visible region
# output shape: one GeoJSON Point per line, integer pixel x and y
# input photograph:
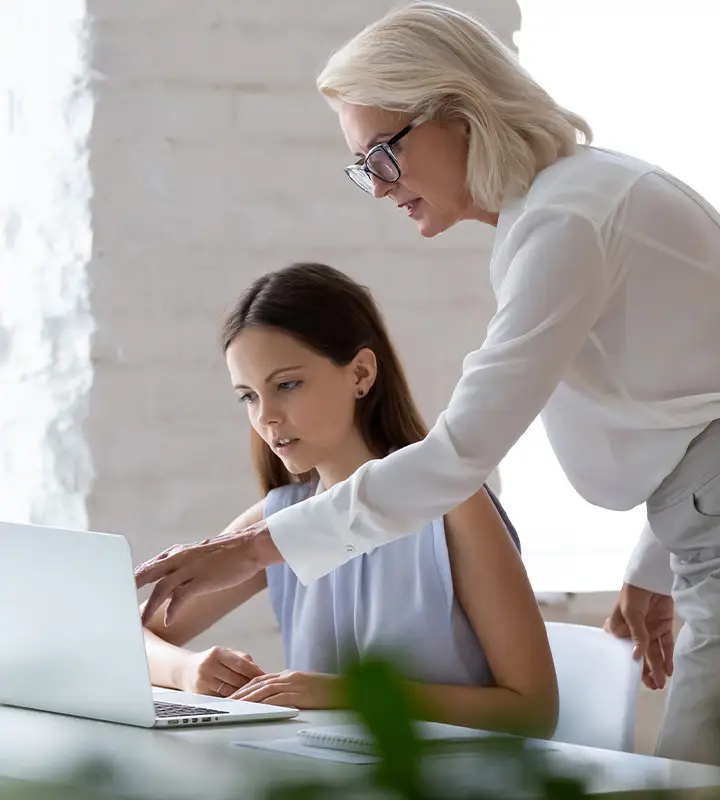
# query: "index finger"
{"type": "Point", "coordinates": [240, 665]}
{"type": "Point", "coordinates": [616, 628]}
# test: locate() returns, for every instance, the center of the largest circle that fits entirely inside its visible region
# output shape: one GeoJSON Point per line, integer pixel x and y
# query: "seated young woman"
{"type": "Point", "coordinates": [451, 605]}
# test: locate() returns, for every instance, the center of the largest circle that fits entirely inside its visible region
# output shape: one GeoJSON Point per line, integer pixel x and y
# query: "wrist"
{"type": "Point", "coordinates": [262, 548]}
{"type": "Point", "coordinates": [638, 589]}
{"type": "Point", "coordinates": [178, 670]}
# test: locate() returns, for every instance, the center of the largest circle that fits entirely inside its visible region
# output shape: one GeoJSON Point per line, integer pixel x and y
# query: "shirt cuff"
{"type": "Point", "coordinates": [649, 565]}
{"type": "Point", "coordinates": [309, 536]}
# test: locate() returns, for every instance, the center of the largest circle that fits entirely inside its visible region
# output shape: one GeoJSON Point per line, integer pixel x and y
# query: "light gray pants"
{"type": "Point", "coordinates": [684, 515]}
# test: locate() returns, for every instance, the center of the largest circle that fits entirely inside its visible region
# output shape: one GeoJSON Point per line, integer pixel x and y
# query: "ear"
{"type": "Point", "coordinates": [364, 371]}
{"type": "Point", "coordinates": [457, 125]}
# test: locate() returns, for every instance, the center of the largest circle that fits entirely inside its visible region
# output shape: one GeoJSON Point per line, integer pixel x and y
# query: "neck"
{"type": "Point", "coordinates": [351, 456]}
{"type": "Point", "coordinates": [488, 217]}
{"type": "Point", "coordinates": [475, 212]}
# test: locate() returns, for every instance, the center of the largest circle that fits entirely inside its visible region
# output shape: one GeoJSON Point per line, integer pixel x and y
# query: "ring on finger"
{"type": "Point", "coordinates": [220, 688]}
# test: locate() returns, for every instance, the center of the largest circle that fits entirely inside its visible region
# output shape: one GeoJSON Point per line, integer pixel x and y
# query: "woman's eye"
{"type": "Point", "coordinates": [288, 386]}
{"type": "Point", "coordinates": [248, 397]}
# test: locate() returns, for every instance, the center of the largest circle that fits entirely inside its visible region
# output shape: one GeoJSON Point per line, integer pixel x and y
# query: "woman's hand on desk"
{"type": "Point", "coordinates": [217, 671]}
{"type": "Point", "coordinates": [294, 689]}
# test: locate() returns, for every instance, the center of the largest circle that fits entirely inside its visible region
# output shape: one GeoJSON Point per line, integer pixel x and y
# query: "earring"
{"type": "Point", "coordinates": [360, 394]}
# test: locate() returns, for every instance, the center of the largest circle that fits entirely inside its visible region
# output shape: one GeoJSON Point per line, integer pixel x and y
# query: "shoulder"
{"type": "Point", "coordinates": [591, 183]}
{"type": "Point", "coordinates": [478, 503]}
{"type": "Point", "coordinates": [285, 496]}
{"type": "Point", "coordinates": [589, 167]}
{"type": "Point", "coordinates": [480, 512]}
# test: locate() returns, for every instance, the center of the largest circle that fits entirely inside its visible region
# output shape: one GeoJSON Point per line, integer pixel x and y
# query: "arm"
{"type": "Point", "coordinates": [174, 666]}
{"type": "Point", "coordinates": [493, 590]}
{"type": "Point", "coordinates": [169, 661]}
{"type": "Point", "coordinates": [551, 296]}
{"type": "Point", "coordinates": [492, 587]}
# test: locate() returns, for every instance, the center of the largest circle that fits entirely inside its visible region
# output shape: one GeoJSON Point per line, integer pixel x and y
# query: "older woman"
{"type": "Point", "coordinates": [607, 276]}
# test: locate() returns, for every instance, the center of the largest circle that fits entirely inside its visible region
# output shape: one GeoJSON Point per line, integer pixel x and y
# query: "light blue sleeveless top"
{"type": "Point", "coordinates": [396, 601]}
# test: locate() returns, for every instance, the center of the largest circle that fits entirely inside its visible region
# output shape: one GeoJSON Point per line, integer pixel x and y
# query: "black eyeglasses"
{"type": "Point", "coordinates": [380, 161]}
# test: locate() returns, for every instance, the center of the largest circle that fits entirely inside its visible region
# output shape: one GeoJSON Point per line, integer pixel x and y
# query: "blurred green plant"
{"type": "Point", "coordinates": [506, 767]}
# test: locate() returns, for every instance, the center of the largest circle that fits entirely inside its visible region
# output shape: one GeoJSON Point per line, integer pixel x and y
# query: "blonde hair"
{"type": "Point", "coordinates": [426, 58]}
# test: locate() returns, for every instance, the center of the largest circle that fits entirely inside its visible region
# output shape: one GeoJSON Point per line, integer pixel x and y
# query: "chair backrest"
{"type": "Point", "coordinates": [598, 681]}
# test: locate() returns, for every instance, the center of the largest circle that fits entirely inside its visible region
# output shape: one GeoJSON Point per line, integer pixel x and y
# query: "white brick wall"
{"type": "Point", "coordinates": [214, 160]}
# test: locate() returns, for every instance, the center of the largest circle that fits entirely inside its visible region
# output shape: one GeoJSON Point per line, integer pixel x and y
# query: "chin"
{"type": "Point", "coordinates": [434, 222]}
{"type": "Point", "coordinates": [428, 229]}
{"type": "Point", "coordinates": [297, 467]}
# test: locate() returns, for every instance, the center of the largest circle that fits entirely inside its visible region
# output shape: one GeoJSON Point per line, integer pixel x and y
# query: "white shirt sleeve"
{"type": "Point", "coordinates": [649, 564]}
{"type": "Point", "coordinates": [551, 295]}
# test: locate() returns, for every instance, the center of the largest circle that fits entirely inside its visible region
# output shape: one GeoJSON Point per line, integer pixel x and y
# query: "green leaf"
{"type": "Point", "coordinates": [376, 692]}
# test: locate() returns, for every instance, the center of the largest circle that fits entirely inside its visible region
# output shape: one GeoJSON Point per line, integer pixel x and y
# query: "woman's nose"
{"type": "Point", "coordinates": [380, 188]}
{"type": "Point", "coordinates": [268, 413]}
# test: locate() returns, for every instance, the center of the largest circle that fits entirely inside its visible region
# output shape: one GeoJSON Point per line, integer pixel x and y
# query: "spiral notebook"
{"type": "Point", "coordinates": [355, 739]}
{"type": "Point", "coordinates": [353, 744]}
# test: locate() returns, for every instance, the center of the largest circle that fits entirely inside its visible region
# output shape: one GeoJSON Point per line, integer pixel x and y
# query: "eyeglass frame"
{"type": "Point", "coordinates": [385, 147]}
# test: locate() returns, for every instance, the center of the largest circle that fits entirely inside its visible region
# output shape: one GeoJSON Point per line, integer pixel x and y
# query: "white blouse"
{"type": "Point", "coordinates": [607, 278]}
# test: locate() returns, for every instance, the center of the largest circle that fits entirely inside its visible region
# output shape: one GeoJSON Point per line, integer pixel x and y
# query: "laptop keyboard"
{"type": "Point", "coordinates": [177, 710]}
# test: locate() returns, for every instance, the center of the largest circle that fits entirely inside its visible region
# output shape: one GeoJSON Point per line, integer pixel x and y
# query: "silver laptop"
{"type": "Point", "coordinates": [71, 640]}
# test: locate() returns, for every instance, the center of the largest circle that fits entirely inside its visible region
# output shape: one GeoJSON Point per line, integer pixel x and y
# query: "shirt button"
{"type": "Point", "coordinates": [349, 548]}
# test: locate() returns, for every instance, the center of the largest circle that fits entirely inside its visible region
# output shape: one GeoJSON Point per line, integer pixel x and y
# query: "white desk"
{"type": "Point", "coordinates": [199, 762]}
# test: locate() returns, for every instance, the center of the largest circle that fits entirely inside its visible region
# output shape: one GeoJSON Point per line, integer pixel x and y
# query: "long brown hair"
{"type": "Point", "coordinates": [333, 315]}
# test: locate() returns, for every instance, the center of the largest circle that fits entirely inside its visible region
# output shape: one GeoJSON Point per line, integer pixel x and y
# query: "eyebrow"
{"type": "Point", "coordinates": [270, 376]}
{"type": "Point", "coordinates": [375, 140]}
